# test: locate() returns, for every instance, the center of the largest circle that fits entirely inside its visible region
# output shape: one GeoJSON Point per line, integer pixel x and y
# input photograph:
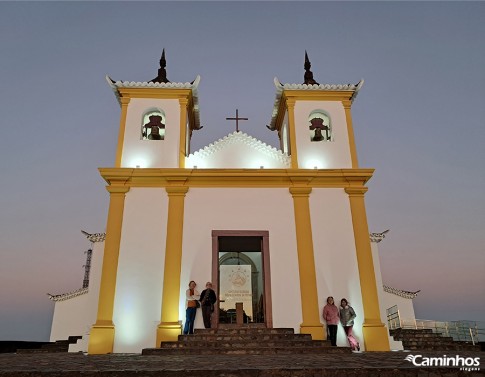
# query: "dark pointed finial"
{"type": "Point", "coordinates": [163, 62]}
{"type": "Point", "coordinates": [308, 74]}
{"type": "Point", "coordinates": [162, 73]}
{"type": "Point", "coordinates": [307, 62]}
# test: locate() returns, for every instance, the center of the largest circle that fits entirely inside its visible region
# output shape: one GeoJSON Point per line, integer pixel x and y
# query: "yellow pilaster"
{"type": "Point", "coordinates": [169, 328]}
{"type": "Point", "coordinates": [290, 103]}
{"type": "Point", "coordinates": [374, 331]}
{"type": "Point", "coordinates": [306, 264]}
{"type": "Point", "coordinates": [101, 338]}
{"type": "Point", "coordinates": [350, 130]}
{"type": "Point", "coordinates": [121, 135]}
{"type": "Point", "coordinates": [183, 131]}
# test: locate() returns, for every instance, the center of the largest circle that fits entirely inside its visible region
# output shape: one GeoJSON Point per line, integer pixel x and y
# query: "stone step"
{"type": "Point", "coordinates": [425, 339]}
{"type": "Point", "coordinates": [429, 339]}
{"type": "Point", "coordinates": [427, 335]}
{"type": "Point", "coordinates": [234, 337]}
{"type": "Point", "coordinates": [452, 347]}
{"type": "Point", "coordinates": [245, 330]}
{"type": "Point", "coordinates": [246, 344]}
{"type": "Point", "coordinates": [410, 331]}
{"type": "Point", "coordinates": [245, 341]}
{"type": "Point", "coordinates": [261, 350]}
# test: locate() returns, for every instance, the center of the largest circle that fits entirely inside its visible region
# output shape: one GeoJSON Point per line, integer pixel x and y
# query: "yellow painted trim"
{"type": "Point", "coordinates": [283, 178]}
{"type": "Point", "coordinates": [375, 333]}
{"type": "Point", "coordinates": [162, 93]}
{"type": "Point", "coordinates": [101, 337]}
{"type": "Point", "coordinates": [306, 264]}
{"type": "Point", "coordinates": [169, 327]}
{"type": "Point", "coordinates": [183, 131]}
{"type": "Point", "coordinates": [121, 135]}
{"type": "Point", "coordinates": [353, 149]}
{"type": "Point", "coordinates": [290, 103]}
{"type": "Point", "coordinates": [318, 95]}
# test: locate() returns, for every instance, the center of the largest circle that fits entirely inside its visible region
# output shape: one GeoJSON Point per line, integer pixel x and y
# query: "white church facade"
{"type": "Point", "coordinates": [276, 229]}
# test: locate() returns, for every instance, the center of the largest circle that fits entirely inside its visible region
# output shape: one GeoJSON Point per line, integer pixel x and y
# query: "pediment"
{"type": "Point", "coordinates": [238, 150]}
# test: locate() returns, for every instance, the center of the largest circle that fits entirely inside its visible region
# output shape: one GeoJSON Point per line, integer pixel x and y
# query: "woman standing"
{"type": "Point", "coordinates": [191, 297]}
{"type": "Point", "coordinates": [207, 300]}
{"type": "Point", "coordinates": [347, 315]}
{"type": "Point", "coordinates": [331, 316]}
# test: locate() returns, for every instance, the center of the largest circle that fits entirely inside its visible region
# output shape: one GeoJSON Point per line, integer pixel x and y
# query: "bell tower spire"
{"type": "Point", "coordinates": [308, 74]}
{"type": "Point", "coordinates": [162, 73]}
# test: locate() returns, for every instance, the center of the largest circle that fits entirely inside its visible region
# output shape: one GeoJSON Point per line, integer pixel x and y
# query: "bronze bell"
{"type": "Point", "coordinates": [155, 124]}
{"type": "Point", "coordinates": [318, 126]}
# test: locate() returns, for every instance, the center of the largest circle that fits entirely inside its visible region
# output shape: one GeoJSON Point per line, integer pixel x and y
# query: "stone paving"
{"type": "Point", "coordinates": [368, 364]}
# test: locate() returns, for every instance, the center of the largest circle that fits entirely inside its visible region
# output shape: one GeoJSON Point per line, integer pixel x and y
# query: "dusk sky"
{"type": "Point", "coordinates": [419, 120]}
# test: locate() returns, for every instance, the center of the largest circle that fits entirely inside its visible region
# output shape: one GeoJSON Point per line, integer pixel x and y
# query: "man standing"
{"type": "Point", "coordinates": [208, 299]}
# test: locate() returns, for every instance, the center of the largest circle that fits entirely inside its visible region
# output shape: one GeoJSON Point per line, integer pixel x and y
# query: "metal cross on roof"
{"type": "Point", "coordinates": [237, 119]}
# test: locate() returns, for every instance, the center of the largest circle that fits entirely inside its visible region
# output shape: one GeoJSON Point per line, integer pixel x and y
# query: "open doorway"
{"type": "Point", "coordinates": [240, 271]}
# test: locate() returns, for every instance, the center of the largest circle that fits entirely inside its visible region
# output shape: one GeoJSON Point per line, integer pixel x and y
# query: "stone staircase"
{"type": "Point", "coordinates": [57, 346]}
{"type": "Point", "coordinates": [427, 340]}
{"type": "Point", "coordinates": [245, 341]}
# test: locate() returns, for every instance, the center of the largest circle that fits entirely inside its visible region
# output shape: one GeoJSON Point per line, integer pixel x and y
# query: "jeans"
{"type": "Point", "coordinates": [189, 320]}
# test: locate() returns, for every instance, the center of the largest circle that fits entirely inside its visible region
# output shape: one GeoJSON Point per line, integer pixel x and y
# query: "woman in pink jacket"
{"type": "Point", "coordinates": [332, 317]}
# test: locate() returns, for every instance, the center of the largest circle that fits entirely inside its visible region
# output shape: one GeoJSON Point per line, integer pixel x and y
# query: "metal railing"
{"type": "Point", "coordinates": [470, 331]}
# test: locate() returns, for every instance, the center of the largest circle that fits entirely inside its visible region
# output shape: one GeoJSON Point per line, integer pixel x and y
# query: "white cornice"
{"type": "Point", "coordinates": [69, 295]}
{"type": "Point", "coordinates": [378, 237]}
{"type": "Point", "coordinates": [400, 293]}
{"type": "Point", "coordinates": [95, 237]}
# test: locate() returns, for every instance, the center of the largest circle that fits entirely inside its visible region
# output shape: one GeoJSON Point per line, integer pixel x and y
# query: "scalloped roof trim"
{"type": "Point", "coordinates": [400, 293]}
{"type": "Point", "coordinates": [235, 137]}
{"type": "Point", "coordinates": [351, 87]}
{"type": "Point", "coordinates": [139, 84]}
{"type": "Point", "coordinates": [69, 295]}
{"type": "Point", "coordinates": [95, 237]}
{"type": "Point", "coordinates": [321, 86]}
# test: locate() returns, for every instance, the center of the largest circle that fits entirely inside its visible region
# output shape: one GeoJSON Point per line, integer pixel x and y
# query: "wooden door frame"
{"type": "Point", "coordinates": [268, 309]}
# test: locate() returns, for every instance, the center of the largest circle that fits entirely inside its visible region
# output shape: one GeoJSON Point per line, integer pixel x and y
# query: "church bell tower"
{"type": "Point", "coordinates": [157, 120]}
{"type": "Point", "coordinates": [314, 123]}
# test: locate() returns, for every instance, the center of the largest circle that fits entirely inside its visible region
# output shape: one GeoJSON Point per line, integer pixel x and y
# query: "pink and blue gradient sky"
{"type": "Point", "coordinates": [419, 121]}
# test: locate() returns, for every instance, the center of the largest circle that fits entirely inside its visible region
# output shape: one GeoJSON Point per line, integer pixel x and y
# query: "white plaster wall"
{"type": "Point", "coordinates": [91, 309]}
{"type": "Point", "coordinates": [151, 153]}
{"type": "Point", "coordinates": [335, 255]}
{"type": "Point", "coordinates": [76, 315]}
{"type": "Point", "coordinates": [69, 318]}
{"type": "Point", "coordinates": [325, 154]}
{"type": "Point", "coordinates": [405, 305]}
{"type": "Point", "coordinates": [380, 287]}
{"type": "Point", "coordinates": [137, 307]}
{"type": "Point", "coordinates": [208, 209]}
